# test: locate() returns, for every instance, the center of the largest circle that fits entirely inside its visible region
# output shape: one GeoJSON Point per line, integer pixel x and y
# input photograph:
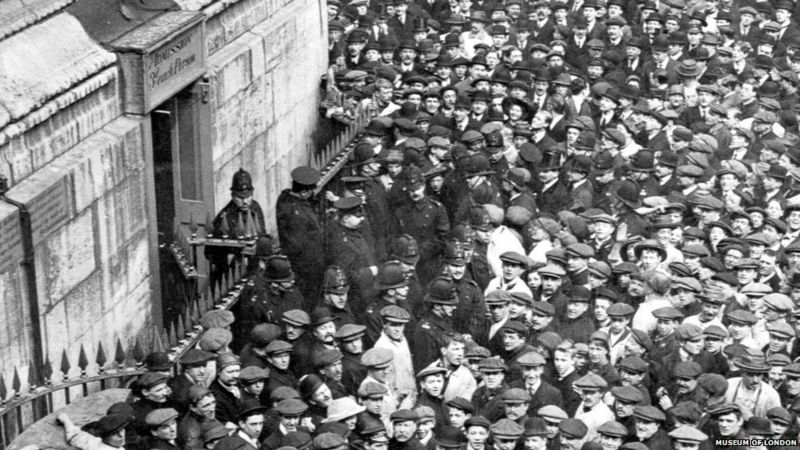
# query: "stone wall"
{"type": "Point", "coordinates": [80, 167]}
{"type": "Point", "coordinates": [265, 62]}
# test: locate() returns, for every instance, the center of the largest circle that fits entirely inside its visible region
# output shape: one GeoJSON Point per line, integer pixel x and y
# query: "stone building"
{"type": "Point", "coordinates": [119, 119]}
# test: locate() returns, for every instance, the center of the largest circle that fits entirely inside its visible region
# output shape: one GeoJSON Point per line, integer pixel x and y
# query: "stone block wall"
{"type": "Point", "coordinates": [265, 62]}
{"type": "Point", "coordinates": [80, 167]}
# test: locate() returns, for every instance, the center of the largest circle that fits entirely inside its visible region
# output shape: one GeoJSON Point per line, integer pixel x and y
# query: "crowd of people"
{"type": "Point", "coordinates": [567, 225]}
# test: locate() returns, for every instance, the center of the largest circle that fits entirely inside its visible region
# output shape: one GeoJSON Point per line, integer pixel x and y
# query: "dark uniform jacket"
{"type": "Point", "coordinates": [545, 395]}
{"type": "Point", "coordinates": [427, 340]}
{"type": "Point", "coordinates": [470, 313]}
{"type": "Point", "coordinates": [349, 249]}
{"type": "Point", "coordinates": [578, 329]}
{"type": "Point", "coordinates": [353, 372]}
{"type": "Point", "coordinates": [300, 235]}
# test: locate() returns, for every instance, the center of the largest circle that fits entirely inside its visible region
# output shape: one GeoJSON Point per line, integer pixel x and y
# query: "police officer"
{"type": "Point", "coordinates": [347, 247]}
{"type": "Point", "coordinates": [241, 218]}
{"type": "Point", "coordinates": [300, 230]}
{"type": "Point", "coordinates": [426, 220]}
{"type": "Point", "coordinates": [470, 313]}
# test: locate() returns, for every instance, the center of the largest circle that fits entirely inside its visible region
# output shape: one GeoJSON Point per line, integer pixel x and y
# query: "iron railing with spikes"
{"type": "Point", "coordinates": [23, 405]}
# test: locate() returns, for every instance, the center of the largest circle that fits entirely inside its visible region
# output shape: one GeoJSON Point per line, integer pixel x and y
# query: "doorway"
{"type": "Point", "coordinates": [184, 194]}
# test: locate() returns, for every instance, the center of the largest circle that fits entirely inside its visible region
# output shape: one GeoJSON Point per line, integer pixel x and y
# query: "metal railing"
{"type": "Point", "coordinates": [20, 407]}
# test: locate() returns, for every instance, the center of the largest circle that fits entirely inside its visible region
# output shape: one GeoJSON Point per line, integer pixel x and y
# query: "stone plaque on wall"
{"type": "Point", "coordinates": [161, 57]}
{"type": "Point", "coordinates": [46, 196]}
{"type": "Point", "coordinates": [11, 249]}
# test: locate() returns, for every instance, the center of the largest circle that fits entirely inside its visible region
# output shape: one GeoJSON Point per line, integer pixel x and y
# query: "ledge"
{"type": "Point", "coordinates": [18, 14]}
{"type": "Point", "coordinates": [44, 61]}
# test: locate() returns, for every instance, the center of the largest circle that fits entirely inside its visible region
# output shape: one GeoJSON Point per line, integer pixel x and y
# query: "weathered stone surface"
{"type": "Point", "coordinates": [65, 259]}
{"type": "Point", "coordinates": [47, 433]}
{"type": "Point", "coordinates": [45, 60]}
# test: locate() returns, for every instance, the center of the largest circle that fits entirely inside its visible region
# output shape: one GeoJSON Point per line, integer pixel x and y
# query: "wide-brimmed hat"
{"type": "Point", "coordinates": [342, 408]}
{"type": "Point", "coordinates": [650, 244]}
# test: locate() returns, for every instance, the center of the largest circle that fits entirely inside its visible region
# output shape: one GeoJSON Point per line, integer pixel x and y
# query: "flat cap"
{"type": "Point", "coordinates": [396, 314]}
{"type": "Point", "coordinates": [251, 374]}
{"type": "Point", "coordinates": [688, 434]}
{"type": "Point", "coordinates": [264, 333]}
{"type": "Point", "coordinates": [195, 356]}
{"type": "Point", "coordinates": [514, 258]}
{"type": "Point", "coordinates": [403, 415]}
{"type": "Point", "coordinates": [756, 289]}
{"type": "Point", "coordinates": [291, 407]}
{"type": "Point", "coordinates": [649, 413]}
{"type": "Point", "coordinates": [713, 383]}
{"type": "Point", "coordinates": [371, 389]}
{"type": "Point", "coordinates": [668, 313]}
{"type": "Point", "coordinates": [580, 250]}
{"type": "Point", "coordinates": [377, 357]}
{"type": "Point", "coordinates": [687, 369]}
{"type": "Point", "coordinates": [228, 359]}
{"type": "Point", "coordinates": [278, 346]}
{"type": "Point", "coordinates": [493, 364]}
{"type": "Point", "coordinates": [498, 297]}
{"type": "Point", "coordinates": [160, 416]}
{"type": "Point", "coordinates": [215, 339]}
{"type": "Point", "coordinates": [325, 358]}
{"type": "Point", "coordinates": [778, 302]}
{"type": "Point", "coordinates": [462, 404]}
{"type": "Point", "coordinates": [688, 332]}
{"type": "Point", "coordinates": [715, 331]}
{"type": "Point", "coordinates": [151, 379]}
{"type": "Point", "coordinates": [543, 309]}
{"type": "Point", "coordinates": [627, 394]}
{"type": "Point", "coordinates": [515, 395]}
{"type": "Point", "coordinates": [591, 381]}
{"type": "Point", "coordinates": [506, 428]}
{"type": "Point", "coordinates": [552, 413]}
{"type": "Point", "coordinates": [634, 364]}
{"type": "Point", "coordinates": [781, 329]}
{"type": "Point", "coordinates": [531, 359]}
{"type": "Point", "coordinates": [553, 270]}
{"type": "Point", "coordinates": [620, 310]}
{"type": "Point", "coordinates": [430, 370]}
{"type": "Point", "coordinates": [328, 441]}
{"type": "Point", "coordinates": [613, 428]}
{"type": "Point", "coordinates": [742, 316]}
{"type": "Point", "coordinates": [297, 317]}
{"type": "Point", "coordinates": [477, 421]}
{"type": "Point", "coordinates": [515, 326]}
{"type": "Point", "coordinates": [217, 318]}
{"type": "Point", "coordinates": [349, 332]}
{"type": "Point", "coordinates": [573, 428]}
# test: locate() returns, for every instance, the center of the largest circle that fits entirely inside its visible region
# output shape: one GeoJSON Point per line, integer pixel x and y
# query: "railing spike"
{"type": "Point", "coordinates": [204, 302]}
{"type": "Point", "coordinates": [3, 390]}
{"type": "Point", "coordinates": [101, 359]}
{"type": "Point", "coordinates": [83, 361]}
{"type": "Point", "coordinates": [47, 372]}
{"type": "Point", "coordinates": [65, 365]}
{"type": "Point", "coordinates": [165, 339]}
{"type": "Point", "coordinates": [32, 382]}
{"type": "Point", "coordinates": [209, 224]}
{"type": "Point", "coordinates": [138, 352]}
{"type": "Point", "coordinates": [240, 231]}
{"type": "Point", "coordinates": [180, 330]}
{"type": "Point", "coordinates": [158, 344]}
{"type": "Point", "coordinates": [192, 223]}
{"type": "Point", "coordinates": [16, 384]}
{"type": "Point", "coordinates": [119, 353]}
{"type": "Point", "coordinates": [173, 338]}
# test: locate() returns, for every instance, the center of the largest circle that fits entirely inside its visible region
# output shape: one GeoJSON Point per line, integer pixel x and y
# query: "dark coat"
{"type": "Point", "coordinates": [228, 405]}
{"type": "Point", "coordinates": [300, 233]}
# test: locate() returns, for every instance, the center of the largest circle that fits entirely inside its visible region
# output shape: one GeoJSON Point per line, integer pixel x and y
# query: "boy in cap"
{"type": "Point", "coordinates": [486, 398]}
{"type": "Point", "coordinates": [193, 372]}
{"type": "Point", "coordinates": [350, 339]}
{"type": "Point", "coordinates": [459, 380]}
{"type": "Point", "coordinates": [393, 340]}
{"type": "Point", "coordinates": [572, 433]}
{"type": "Point", "coordinates": [250, 423]}
{"type": "Point", "coordinates": [201, 415]}
{"type": "Point", "coordinates": [506, 433]}
{"type": "Point", "coordinates": [514, 265]}
{"type": "Point", "coordinates": [393, 288]}
{"type": "Point", "coordinates": [279, 357]}
{"type": "Point", "coordinates": [163, 429]}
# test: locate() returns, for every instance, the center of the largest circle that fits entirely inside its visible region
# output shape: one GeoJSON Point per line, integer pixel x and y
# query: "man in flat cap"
{"type": "Point", "coordinates": [193, 372]}
{"type": "Point", "coordinates": [109, 431]}
{"type": "Point", "coordinates": [350, 340]}
{"type": "Point", "coordinates": [163, 429]}
{"type": "Point", "coordinates": [592, 410]}
{"type": "Point", "coordinates": [201, 415]}
{"type": "Point", "coordinates": [250, 423]}
{"type": "Point", "coordinates": [392, 288]}
{"type": "Point", "coordinates": [226, 389]}
{"type": "Point", "coordinates": [513, 265]}
{"type": "Point", "coordinates": [393, 339]}
{"type": "Point", "coordinates": [459, 381]}
{"type": "Point", "coordinates": [649, 427]}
